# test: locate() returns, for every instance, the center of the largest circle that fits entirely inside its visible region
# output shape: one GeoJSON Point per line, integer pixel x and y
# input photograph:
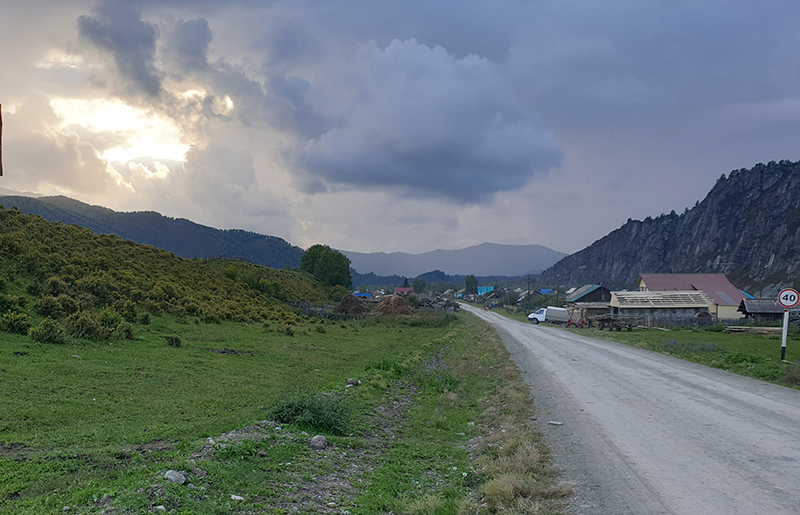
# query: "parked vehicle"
{"type": "Point", "coordinates": [550, 314]}
{"type": "Point", "coordinates": [618, 322]}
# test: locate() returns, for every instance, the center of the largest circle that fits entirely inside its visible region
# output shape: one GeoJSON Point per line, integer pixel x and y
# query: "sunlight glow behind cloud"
{"type": "Point", "coordinates": [149, 134]}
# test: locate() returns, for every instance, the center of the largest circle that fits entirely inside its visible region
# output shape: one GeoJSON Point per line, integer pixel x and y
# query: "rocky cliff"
{"type": "Point", "coordinates": [747, 227]}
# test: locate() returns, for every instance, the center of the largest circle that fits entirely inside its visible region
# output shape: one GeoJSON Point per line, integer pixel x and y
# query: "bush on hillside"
{"type": "Point", "coordinates": [173, 340]}
{"type": "Point", "coordinates": [47, 331]}
{"type": "Point", "coordinates": [10, 302]}
{"type": "Point", "coordinates": [94, 325]}
{"type": "Point", "coordinates": [17, 323]}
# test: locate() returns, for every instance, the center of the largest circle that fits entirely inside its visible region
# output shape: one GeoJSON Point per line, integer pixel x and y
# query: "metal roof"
{"type": "Point", "coordinates": [716, 286]}
{"type": "Point", "coordinates": [761, 307]}
{"type": "Point", "coordinates": [660, 299]}
{"type": "Point", "coordinates": [582, 291]}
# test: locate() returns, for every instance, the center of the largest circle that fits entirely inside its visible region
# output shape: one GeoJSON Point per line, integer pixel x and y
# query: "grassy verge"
{"type": "Point", "coordinates": [751, 355]}
{"type": "Point", "coordinates": [432, 419]}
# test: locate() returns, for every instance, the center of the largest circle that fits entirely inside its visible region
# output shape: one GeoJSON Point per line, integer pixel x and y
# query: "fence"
{"type": "Point", "coordinates": [688, 321]}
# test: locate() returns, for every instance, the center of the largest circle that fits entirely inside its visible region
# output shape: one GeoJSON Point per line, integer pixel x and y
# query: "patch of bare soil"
{"type": "Point", "coordinates": [11, 448]}
{"type": "Point", "coordinates": [230, 352]}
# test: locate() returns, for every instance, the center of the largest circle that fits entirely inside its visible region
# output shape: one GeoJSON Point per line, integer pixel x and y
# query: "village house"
{"type": "Point", "coordinates": [588, 300]}
{"type": "Point", "coordinates": [724, 297]}
{"type": "Point", "coordinates": [765, 309]}
{"type": "Point", "coordinates": [656, 307]}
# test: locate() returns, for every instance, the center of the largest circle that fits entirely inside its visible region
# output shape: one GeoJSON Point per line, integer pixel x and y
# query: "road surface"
{"type": "Point", "coordinates": [644, 433]}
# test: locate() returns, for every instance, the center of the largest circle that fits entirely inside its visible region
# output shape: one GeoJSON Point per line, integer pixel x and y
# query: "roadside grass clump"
{"type": "Point", "coordinates": [679, 348]}
{"type": "Point", "coordinates": [714, 328]}
{"type": "Point", "coordinates": [329, 412]}
{"type": "Point", "coordinates": [432, 320]}
{"type": "Point", "coordinates": [791, 374]}
{"type": "Point", "coordinates": [435, 375]}
{"type": "Point", "coordinates": [385, 365]}
{"type": "Point", "coordinates": [48, 331]}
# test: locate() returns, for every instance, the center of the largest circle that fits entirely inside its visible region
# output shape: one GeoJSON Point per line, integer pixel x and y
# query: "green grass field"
{"type": "Point", "coordinates": [88, 419]}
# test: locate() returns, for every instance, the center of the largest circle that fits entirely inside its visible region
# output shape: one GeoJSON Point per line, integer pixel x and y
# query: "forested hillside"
{"type": "Point", "coordinates": [180, 236]}
{"type": "Point", "coordinates": [747, 227]}
{"type": "Point", "coordinates": [78, 279]}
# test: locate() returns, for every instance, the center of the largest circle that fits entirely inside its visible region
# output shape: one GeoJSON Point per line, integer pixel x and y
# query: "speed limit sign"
{"type": "Point", "coordinates": [788, 298]}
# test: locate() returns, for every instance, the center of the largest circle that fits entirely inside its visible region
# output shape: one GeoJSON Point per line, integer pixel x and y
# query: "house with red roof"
{"type": "Point", "coordinates": [725, 297]}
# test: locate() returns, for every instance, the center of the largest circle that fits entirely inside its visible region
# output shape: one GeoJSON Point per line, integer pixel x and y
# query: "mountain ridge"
{"type": "Point", "coordinates": [180, 236]}
{"type": "Point", "coordinates": [188, 239]}
{"type": "Point", "coordinates": [747, 227]}
{"type": "Point", "coordinates": [485, 259]}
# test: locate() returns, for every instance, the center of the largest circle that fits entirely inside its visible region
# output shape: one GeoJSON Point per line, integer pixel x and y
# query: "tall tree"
{"type": "Point", "coordinates": [470, 284]}
{"type": "Point", "coordinates": [328, 266]}
{"type": "Point", "coordinates": [419, 286]}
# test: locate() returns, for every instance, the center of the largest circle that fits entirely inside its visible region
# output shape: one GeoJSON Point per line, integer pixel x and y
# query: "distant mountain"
{"type": "Point", "coordinates": [747, 227]}
{"type": "Point", "coordinates": [182, 237]}
{"type": "Point", "coordinates": [430, 278]}
{"type": "Point", "coordinates": [486, 259]}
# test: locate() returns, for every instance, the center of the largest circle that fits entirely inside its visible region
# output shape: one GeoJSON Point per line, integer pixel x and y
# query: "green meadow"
{"type": "Point", "coordinates": [436, 421]}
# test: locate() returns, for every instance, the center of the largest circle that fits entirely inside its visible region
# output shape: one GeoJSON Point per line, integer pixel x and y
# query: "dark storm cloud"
{"type": "Point", "coordinates": [430, 125]}
{"type": "Point", "coordinates": [118, 28]}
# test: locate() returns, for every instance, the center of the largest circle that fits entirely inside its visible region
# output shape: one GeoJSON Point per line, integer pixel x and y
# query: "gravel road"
{"type": "Point", "coordinates": [644, 433]}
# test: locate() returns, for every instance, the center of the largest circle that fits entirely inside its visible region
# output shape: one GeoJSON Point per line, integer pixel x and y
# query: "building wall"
{"type": "Point", "coordinates": [651, 316]}
{"type": "Point", "coordinates": [728, 313]}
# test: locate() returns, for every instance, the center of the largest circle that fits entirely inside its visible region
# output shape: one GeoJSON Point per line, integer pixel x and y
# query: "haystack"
{"type": "Point", "coordinates": [349, 305]}
{"type": "Point", "coordinates": [394, 305]}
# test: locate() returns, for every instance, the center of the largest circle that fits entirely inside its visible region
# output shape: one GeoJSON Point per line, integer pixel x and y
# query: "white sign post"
{"type": "Point", "coordinates": [787, 298]}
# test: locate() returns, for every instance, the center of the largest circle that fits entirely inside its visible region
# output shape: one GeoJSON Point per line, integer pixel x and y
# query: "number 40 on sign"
{"type": "Point", "coordinates": [788, 299]}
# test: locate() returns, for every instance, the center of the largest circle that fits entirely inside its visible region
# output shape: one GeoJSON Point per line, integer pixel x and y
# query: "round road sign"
{"type": "Point", "coordinates": [788, 298]}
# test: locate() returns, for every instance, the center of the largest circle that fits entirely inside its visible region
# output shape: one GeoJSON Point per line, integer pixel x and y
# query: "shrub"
{"type": "Point", "coordinates": [325, 412]}
{"type": "Point", "coordinates": [125, 331]}
{"type": "Point", "coordinates": [127, 310]}
{"type": "Point", "coordinates": [55, 286]}
{"type": "Point", "coordinates": [8, 302]}
{"type": "Point", "coordinates": [144, 319]}
{"type": "Point", "coordinates": [68, 304]}
{"type": "Point", "coordinates": [173, 340]}
{"type": "Point", "coordinates": [34, 289]}
{"type": "Point", "coordinates": [16, 323]}
{"type": "Point", "coordinates": [47, 331]}
{"type": "Point", "coordinates": [94, 325]}
{"type": "Point", "coordinates": [47, 307]}
{"type": "Point", "coordinates": [337, 292]}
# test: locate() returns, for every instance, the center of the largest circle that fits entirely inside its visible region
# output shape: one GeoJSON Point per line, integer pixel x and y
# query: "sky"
{"type": "Point", "coordinates": [382, 126]}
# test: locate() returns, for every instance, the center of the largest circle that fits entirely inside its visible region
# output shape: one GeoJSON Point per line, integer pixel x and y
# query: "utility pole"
{"type": "Point", "coordinates": [558, 287]}
{"type": "Point", "coordinates": [528, 298]}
